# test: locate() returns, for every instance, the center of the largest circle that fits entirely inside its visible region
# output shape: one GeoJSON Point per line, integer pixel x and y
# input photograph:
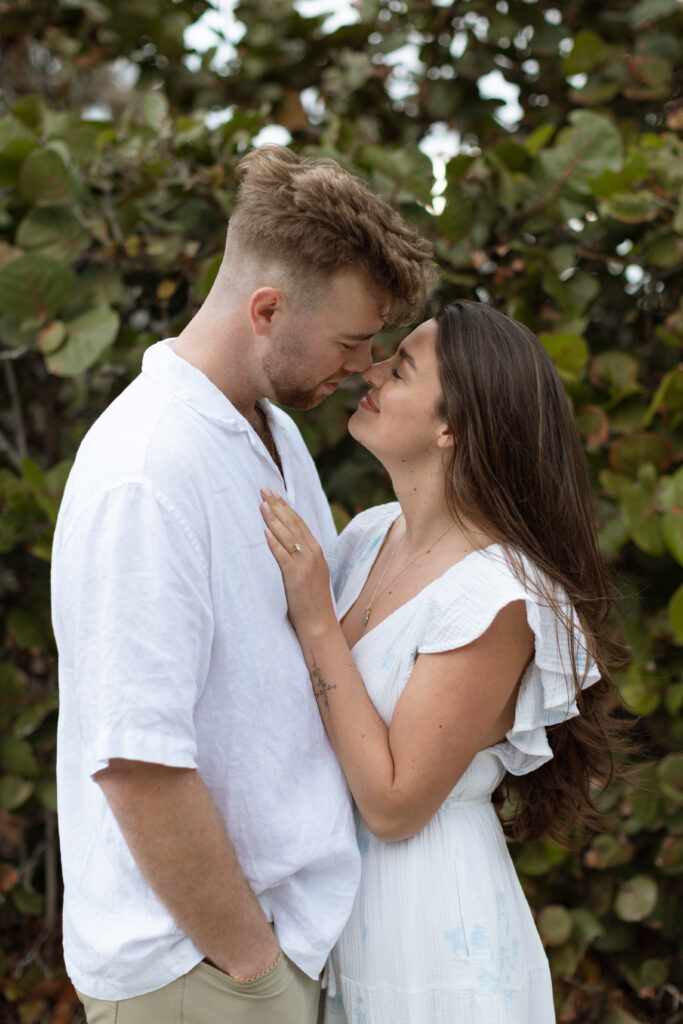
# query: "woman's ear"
{"type": "Point", "coordinates": [445, 438]}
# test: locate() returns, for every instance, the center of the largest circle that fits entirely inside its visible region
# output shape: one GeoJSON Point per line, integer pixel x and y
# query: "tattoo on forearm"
{"type": "Point", "coordinates": [320, 687]}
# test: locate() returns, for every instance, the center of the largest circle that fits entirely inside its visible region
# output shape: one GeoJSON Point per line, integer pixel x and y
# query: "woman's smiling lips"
{"type": "Point", "coordinates": [367, 403]}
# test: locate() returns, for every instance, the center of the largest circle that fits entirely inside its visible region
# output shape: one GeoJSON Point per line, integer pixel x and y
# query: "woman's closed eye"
{"type": "Point", "coordinates": [395, 373]}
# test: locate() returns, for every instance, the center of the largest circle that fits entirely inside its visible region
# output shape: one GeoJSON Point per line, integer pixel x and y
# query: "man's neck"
{"type": "Point", "coordinates": [222, 355]}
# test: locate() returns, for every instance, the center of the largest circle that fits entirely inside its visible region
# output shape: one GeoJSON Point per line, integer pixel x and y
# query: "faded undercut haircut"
{"type": "Point", "coordinates": [314, 219]}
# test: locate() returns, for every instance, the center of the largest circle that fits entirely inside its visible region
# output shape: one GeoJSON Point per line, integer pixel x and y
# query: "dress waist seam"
{"type": "Point", "coordinates": [451, 802]}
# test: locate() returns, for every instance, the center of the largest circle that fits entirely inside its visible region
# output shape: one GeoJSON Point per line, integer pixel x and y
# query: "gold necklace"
{"type": "Point", "coordinates": [368, 610]}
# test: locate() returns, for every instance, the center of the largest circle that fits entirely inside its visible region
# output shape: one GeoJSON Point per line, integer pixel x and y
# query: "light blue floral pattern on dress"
{"type": "Point", "coordinates": [359, 1013]}
{"type": "Point", "coordinates": [501, 978]}
{"type": "Point", "coordinates": [456, 940]}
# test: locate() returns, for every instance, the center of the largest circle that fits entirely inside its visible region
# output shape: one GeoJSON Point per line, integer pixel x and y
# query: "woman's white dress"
{"type": "Point", "coordinates": [441, 932]}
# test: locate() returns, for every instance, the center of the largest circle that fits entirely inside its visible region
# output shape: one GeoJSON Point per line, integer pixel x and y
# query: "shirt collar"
{"type": "Point", "coordinates": [188, 384]}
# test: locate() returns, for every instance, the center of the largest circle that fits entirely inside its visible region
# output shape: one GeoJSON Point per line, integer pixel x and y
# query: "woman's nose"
{"type": "Point", "coordinates": [375, 374]}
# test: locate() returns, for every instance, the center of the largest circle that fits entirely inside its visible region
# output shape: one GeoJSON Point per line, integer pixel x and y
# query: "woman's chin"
{"type": "Point", "coordinates": [355, 427]}
{"type": "Point", "coordinates": [352, 425]}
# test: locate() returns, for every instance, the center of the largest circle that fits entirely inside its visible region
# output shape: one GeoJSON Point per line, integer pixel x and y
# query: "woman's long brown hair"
{"type": "Point", "coordinates": [518, 470]}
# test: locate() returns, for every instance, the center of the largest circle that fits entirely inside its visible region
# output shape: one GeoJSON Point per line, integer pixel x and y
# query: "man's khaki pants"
{"type": "Point", "coordinates": [208, 996]}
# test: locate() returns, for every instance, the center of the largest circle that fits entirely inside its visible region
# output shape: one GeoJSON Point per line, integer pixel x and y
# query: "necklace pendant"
{"type": "Point", "coordinates": [366, 617]}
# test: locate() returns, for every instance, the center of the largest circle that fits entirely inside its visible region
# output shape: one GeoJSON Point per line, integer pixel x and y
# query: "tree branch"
{"type": "Point", "coordinates": [17, 413]}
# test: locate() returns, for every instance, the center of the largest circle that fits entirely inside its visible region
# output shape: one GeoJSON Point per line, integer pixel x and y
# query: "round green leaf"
{"type": "Point", "coordinates": [668, 398]}
{"type": "Point", "coordinates": [554, 924]}
{"type": "Point", "coordinates": [672, 532]}
{"type": "Point", "coordinates": [34, 286]}
{"type": "Point", "coordinates": [676, 614]}
{"type": "Point", "coordinates": [666, 250]}
{"type": "Point", "coordinates": [669, 859]}
{"type": "Point", "coordinates": [27, 902]}
{"type": "Point", "coordinates": [651, 10]}
{"type": "Point", "coordinates": [629, 453]}
{"type": "Point", "coordinates": [606, 852]}
{"type": "Point", "coordinates": [563, 961]}
{"type": "Point", "coordinates": [402, 168]}
{"type": "Point", "coordinates": [154, 108]}
{"type": "Point", "coordinates": [593, 424]}
{"type": "Point", "coordinates": [28, 629]}
{"type": "Point", "coordinates": [636, 898]}
{"type": "Point", "coordinates": [28, 720]}
{"type": "Point", "coordinates": [14, 792]}
{"type": "Point", "coordinates": [17, 757]}
{"type": "Point", "coordinates": [641, 519]}
{"type": "Point", "coordinates": [51, 336]}
{"type": "Point", "coordinates": [45, 180]}
{"type": "Point", "coordinates": [652, 973]}
{"type": "Point", "coordinates": [11, 682]}
{"type": "Point", "coordinates": [87, 337]}
{"type": "Point", "coordinates": [670, 776]}
{"type": "Point", "coordinates": [632, 208]}
{"type": "Point", "coordinates": [588, 52]}
{"type": "Point", "coordinates": [673, 698]}
{"type": "Point", "coordinates": [640, 693]}
{"type": "Point", "coordinates": [569, 352]}
{"type": "Point", "coordinates": [47, 793]}
{"type": "Point", "coordinates": [55, 232]}
{"type": "Point", "coordinates": [617, 370]}
{"type": "Point", "coordinates": [13, 131]}
{"type": "Point", "coordinates": [533, 860]}
{"type": "Point", "coordinates": [583, 151]}
{"type": "Point", "coordinates": [617, 1015]}
{"type": "Point", "coordinates": [672, 491]}
{"type": "Point", "coordinates": [585, 926]}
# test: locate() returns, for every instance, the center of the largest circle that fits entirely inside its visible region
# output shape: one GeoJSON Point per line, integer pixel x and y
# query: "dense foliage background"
{"type": "Point", "coordinates": [117, 150]}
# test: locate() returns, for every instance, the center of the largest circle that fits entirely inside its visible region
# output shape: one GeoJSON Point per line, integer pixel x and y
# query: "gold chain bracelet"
{"type": "Point", "coordinates": [261, 974]}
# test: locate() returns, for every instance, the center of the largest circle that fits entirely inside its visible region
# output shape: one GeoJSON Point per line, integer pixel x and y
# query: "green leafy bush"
{"type": "Point", "coordinates": [113, 204]}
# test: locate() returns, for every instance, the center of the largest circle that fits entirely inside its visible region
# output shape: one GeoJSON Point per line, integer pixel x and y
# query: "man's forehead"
{"type": "Point", "coordinates": [360, 337]}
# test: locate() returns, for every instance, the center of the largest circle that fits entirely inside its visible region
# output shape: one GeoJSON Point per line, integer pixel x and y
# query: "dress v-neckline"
{"type": "Point", "coordinates": [410, 600]}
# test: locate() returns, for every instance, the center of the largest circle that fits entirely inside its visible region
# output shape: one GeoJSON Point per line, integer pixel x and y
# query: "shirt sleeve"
{"type": "Point", "coordinates": [135, 625]}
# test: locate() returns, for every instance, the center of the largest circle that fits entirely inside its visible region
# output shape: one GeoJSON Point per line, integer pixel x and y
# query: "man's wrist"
{"type": "Point", "coordinates": [260, 974]}
{"type": "Point", "coordinates": [245, 965]}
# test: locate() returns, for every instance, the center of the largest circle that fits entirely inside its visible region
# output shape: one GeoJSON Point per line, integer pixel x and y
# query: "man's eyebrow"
{"type": "Point", "coordinates": [407, 358]}
{"type": "Point", "coordinates": [360, 337]}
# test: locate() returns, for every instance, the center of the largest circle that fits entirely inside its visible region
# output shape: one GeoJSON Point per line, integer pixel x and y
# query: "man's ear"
{"type": "Point", "coordinates": [265, 306]}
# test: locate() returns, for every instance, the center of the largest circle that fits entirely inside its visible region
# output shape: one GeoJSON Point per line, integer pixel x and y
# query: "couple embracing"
{"type": "Point", "coordinates": [254, 775]}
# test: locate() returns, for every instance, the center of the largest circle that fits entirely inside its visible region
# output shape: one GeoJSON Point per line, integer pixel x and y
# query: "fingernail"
{"type": "Point", "coordinates": [266, 491]}
{"type": "Point", "coordinates": [266, 506]}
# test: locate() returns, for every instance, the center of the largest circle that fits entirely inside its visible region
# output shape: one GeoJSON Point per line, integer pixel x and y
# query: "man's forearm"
{"type": "Point", "coordinates": [184, 853]}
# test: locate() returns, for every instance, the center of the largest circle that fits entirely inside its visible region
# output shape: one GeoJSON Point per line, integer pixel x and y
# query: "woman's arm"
{"type": "Point", "coordinates": [453, 705]}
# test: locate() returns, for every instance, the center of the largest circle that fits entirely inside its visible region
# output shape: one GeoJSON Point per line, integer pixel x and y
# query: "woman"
{"type": "Point", "coordinates": [471, 638]}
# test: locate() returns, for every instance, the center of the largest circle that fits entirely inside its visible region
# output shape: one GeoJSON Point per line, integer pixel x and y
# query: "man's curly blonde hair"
{"type": "Point", "coordinates": [313, 219]}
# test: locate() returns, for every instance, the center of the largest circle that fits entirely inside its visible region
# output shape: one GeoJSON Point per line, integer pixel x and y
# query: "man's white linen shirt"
{"type": "Point", "coordinates": [175, 648]}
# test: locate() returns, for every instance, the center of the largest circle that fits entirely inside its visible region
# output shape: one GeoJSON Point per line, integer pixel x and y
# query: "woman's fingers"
{"type": "Point", "coordinates": [283, 522]}
{"type": "Point", "coordinates": [272, 514]}
{"type": "Point", "coordinates": [276, 547]}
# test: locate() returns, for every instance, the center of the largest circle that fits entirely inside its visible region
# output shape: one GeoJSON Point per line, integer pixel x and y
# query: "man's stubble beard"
{"type": "Point", "coordinates": [281, 371]}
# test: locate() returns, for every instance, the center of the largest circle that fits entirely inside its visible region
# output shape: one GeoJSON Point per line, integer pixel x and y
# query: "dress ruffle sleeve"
{"type": "Point", "coordinates": [463, 607]}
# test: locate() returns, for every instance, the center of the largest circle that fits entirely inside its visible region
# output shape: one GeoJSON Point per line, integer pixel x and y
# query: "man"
{"type": "Point", "coordinates": [208, 845]}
